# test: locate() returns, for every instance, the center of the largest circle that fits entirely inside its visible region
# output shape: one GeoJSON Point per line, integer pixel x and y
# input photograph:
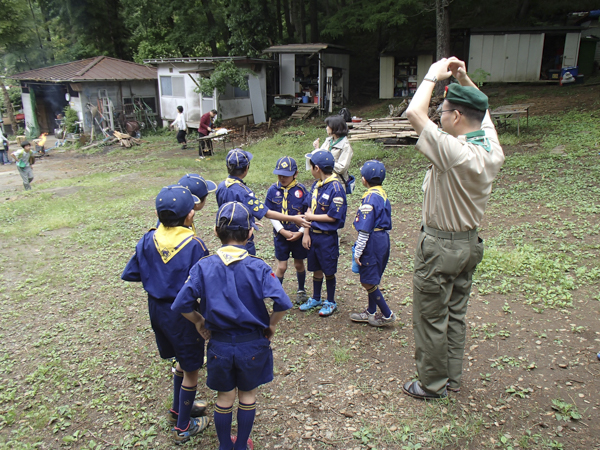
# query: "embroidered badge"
{"type": "Point", "coordinates": [256, 208]}
{"type": "Point", "coordinates": [338, 201]}
{"type": "Point", "coordinates": [366, 208]}
{"type": "Point", "coordinates": [298, 194]}
{"type": "Point", "coordinates": [277, 194]}
{"type": "Point", "coordinates": [284, 165]}
{"type": "Point", "coordinates": [325, 196]}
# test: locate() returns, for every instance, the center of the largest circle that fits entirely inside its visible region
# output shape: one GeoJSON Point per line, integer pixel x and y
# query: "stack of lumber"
{"type": "Point", "coordinates": [303, 112]}
{"type": "Point", "coordinates": [389, 127]}
{"type": "Point", "coordinates": [126, 140]}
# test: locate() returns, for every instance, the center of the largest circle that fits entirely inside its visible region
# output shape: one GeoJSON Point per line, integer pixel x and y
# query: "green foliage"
{"type": "Point", "coordinates": [479, 77]}
{"type": "Point", "coordinates": [225, 73]}
{"type": "Point", "coordinates": [70, 119]}
{"type": "Point", "coordinates": [277, 113]}
{"type": "Point", "coordinates": [565, 411]}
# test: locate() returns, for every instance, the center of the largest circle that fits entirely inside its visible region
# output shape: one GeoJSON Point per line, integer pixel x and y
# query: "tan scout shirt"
{"type": "Point", "coordinates": [458, 184]}
{"type": "Point", "coordinates": [342, 154]}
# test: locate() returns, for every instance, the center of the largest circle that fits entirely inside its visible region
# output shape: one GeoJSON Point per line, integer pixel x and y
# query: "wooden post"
{"type": "Point", "coordinates": [269, 126]}
{"type": "Point", "coordinates": [244, 133]}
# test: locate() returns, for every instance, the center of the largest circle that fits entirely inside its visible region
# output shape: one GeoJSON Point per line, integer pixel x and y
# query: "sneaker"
{"type": "Point", "coordinates": [454, 390]}
{"type": "Point", "coordinates": [200, 159]}
{"type": "Point", "coordinates": [249, 443]}
{"type": "Point", "coordinates": [377, 320]}
{"type": "Point", "coordinates": [361, 316]}
{"type": "Point", "coordinates": [414, 389]}
{"type": "Point", "coordinates": [301, 297]}
{"type": "Point", "coordinates": [198, 409]}
{"type": "Point", "coordinates": [310, 304]}
{"type": "Point", "coordinates": [195, 426]}
{"type": "Point", "coordinates": [327, 309]}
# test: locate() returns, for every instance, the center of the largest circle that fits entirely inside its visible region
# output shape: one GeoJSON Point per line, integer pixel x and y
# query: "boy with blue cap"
{"type": "Point", "coordinates": [231, 287]}
{"type": "Point", "coordinates": [372, 248]}
{"type": "Point", "coordinates": [327, 199]}
{"type": "Point", "coordinates": [162, 261]}
{"type": "Point", "coordinates": [233, 189]}
{"type": "Point", "coordinates": [288, 197]}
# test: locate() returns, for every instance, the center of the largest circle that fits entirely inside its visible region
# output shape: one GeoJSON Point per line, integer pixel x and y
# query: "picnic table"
{"type": "Point", "coordinates": [506, 112]}
{"type": "Point", "coordinates": [209, 141]}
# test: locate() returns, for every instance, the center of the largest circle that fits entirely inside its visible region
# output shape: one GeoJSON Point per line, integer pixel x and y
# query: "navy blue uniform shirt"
{"type": "Point", "coordinates": [233, 189]}
{"type": "Point", "coordinates": [232, 286]}
{"type": "Point", "coordinates": [330, 199]}
{"type": "Point", "coordinates": [375, 211]}
{"type": "Point", "coordinates": [162, 260]}
{"type": "Point", "coordinates": [296, 202]}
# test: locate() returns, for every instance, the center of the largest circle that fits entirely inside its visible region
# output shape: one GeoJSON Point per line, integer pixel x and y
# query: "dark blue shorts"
{"type": "Point", "coordinates": [283, 248]}
{"type": "Point", "coordinates": [375, 258]}
{"type": "Point", "coordinates": [324, 253]}
{"type": "Point", "coordinates": [244, 365]}
{"type": "Point", "coordinates": [176, 337]}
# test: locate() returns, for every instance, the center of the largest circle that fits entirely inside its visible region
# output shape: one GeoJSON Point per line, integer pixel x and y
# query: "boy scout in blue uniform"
{"type": "Point", "coordinates": [328, 214]}
{"type": "Point", "coordinates": [372, 248]}
{"type": "Point", "coordinates": [199, 187]}
{"type": "Point", "coordinates": [162, 261]}
{"type": "Point", "coordinates": [287, 196]}
{"type": "Point", "coordinates": [233, 189]}
{"type": "Point", "coordinates": [465, 158]}
{"type": "Point", "coordinates": [231, 287]}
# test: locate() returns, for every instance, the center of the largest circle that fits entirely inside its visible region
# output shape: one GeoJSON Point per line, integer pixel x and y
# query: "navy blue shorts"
{"type": "Point", "coordinates": [244, 365]}
{"type": "Point", "coordinates": [283, 248]}
{"type": "Point", "coordinates": [324, 253]}
{"type": "Point", "coordinates": [176, 337]}
{"type": "Point", "coordinates": [375, 258]}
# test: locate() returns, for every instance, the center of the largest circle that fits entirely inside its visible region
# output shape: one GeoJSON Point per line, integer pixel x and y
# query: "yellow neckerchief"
{"type": "Point", "coordinates": [286, 189]}
{"type": "Point", "coordinates": [375, 190]}
{"type": "Point", "coordinates": [231, 181]}
{"type": "Point", "coordinates": [315, 193]}
{"type": "Point", "coordinates": [169, 241]}
{"type": "Point", "coordinates": [230, 254]}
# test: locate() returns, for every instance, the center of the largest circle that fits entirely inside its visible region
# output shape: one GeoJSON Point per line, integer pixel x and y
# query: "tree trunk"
{"type": "Point", "coordinates": [314, 21]}
{"type": "Point", "coordinates": [212, 42]}
{"type": "Point", "coordinates": [302, 21]}
{"type": "Point", "coordinates": [9, 107]}
{"type": "Point", "coordinates": [279, 24]}
{"type": "Point", "coordinates": [524, 9]}
{"type": "Point", "coordinates": [442, 25]}
{"type": "Point", "coordinates": [289, 25]}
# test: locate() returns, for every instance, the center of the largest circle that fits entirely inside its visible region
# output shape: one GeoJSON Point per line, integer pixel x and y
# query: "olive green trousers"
{"type": "Point", "coordinates": [442, 282]}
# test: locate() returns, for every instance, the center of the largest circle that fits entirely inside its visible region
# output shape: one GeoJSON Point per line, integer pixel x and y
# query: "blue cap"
{"type": "Point", "coordinates": [177, 199]}
{"type": "Point", "coordinates": [197, 184]}
{"type": "Point", "coordinates": [323, 159]}
{"type": "Point", "coordinates": [237, 215]}
{"type": "Point", "coordinates": [238, 158]}
{"type": "Point", "coordinates": [373, 169]}
{"type": "Point", "coordinates": [286, 166]}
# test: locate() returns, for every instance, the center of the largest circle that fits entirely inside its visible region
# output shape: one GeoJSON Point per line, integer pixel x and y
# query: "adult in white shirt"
{"type": "Point", "coordinates": [4, 151]}
{"type": "Point", "coordinates": [337, 143]}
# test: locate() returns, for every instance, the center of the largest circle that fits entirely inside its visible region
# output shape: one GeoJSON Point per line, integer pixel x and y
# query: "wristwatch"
{"type": "Point", "coordinates": [433, 79]}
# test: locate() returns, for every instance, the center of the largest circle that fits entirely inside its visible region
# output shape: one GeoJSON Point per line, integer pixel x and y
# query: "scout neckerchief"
{"type": "Point", "coordinates": [478, 138]}
{"type": "Point", "coordinates": [376, 190]}
{"type": "Point", "coordinates": [286, 189]}
{"type": "Point", "coordinates": [169, 241]}
{"type": "Point", "coordinates": [230, 254]}
{"type": "Point", "coordinates": [334, 143]}
{"type": "Point", "coordinates": [315, 192]}
{"type": "Point", "coordinates": [231, 181]}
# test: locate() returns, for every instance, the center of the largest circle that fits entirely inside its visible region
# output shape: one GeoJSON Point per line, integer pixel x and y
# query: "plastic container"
{"type": "Point", "coordinates": [574, 71]}
{"type": "Point", "coordinates": [307, 158]}
{"type": "Point", "coordinates": [554, 74]}
{"type": "Point", "coordinates": [356, 120]}
{"type": "Point", "coordinates": [283, 101]}
{"type": "Point", "coordinates": [355, 266]}
{"type": "Point", "coordinates": [304, 99]}
{"type": "Point", "coordinates": [316, 99]}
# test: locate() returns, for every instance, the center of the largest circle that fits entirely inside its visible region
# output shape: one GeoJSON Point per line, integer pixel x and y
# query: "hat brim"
{"type": "Point", "coordinates": [196, 199]}
{"type": "Point", "coordinates": [211, 185]}
{"type": "Point", "coordinates": [284, 173]}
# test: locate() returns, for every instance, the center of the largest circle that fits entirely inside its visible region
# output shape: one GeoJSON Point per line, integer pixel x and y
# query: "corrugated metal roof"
{"type": "Point", "coordinates": [208, 59]}
{"type": "Point", "coordinates": [100, 68]}
{"type": "Point", "coordinates": [306, 48]}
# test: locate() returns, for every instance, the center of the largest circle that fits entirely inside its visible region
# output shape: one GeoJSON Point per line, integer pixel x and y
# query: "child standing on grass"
{"type": "Point", "coordinates": [179, 122]}
{"type": "Point", "coordinates": [287, 196]}
{"type": "Point", "coordinates": [327, 201]}
{"type": "Point", "coordinates": [233, 189]}
{"type": "Point", "coordinates": [231, 287]}
{"type": "Point", "coordinates": [372, 248]}
{"type": "Point", "coordinates": [162, 261]}
{"type": "Point", "coordinates": [23, 159]}
{"type": "Point", "coordinates": [199, 187]}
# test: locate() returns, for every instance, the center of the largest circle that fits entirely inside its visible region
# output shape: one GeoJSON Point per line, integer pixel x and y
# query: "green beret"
{"type": "Point", "coordinates": [467, 95]}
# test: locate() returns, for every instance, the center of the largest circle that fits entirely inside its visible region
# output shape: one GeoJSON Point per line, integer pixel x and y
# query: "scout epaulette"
{"type": "Point", "coordinates": [169, 241]}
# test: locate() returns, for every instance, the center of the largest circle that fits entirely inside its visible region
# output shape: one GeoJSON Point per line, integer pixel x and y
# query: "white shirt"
{"type": "Point", "coordinates": [179, 122]}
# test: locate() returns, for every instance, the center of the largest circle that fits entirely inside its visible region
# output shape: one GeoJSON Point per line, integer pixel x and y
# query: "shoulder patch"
{"type": "Point", "coordinates": [366, 208]}
{"type": "Point", "coordinates": [338, 201]}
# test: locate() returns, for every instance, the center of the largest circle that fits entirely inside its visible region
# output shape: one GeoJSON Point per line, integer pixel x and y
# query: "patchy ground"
{"type": "Point", "coordinates": [79, 366]}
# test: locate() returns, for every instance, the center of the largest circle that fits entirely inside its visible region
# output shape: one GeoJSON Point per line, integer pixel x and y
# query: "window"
{"type": "Point", "coordinates": [172, 87]}
{"type": "Point", "coordinates": [232, 93]}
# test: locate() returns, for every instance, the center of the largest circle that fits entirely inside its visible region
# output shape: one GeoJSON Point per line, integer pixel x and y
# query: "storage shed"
{"type": "Point", "coordinates": [400, 74]}
{"type": "Point", "coordinates": [319, 72]}
{"type": "Point", "coordinates": [178, 83]}
{"type": "Point", "coordinates": [109, 84]}
{"type": "Point", "coordinates": [524, 54]}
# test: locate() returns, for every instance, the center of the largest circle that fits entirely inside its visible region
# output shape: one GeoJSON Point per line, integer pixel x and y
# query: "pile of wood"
{"type": "Point", "coordinates": [303, 112]}
{"type": "Point", "coordinates": [386, 128]}
{"type": "Point", "coordinates": [123, 139]}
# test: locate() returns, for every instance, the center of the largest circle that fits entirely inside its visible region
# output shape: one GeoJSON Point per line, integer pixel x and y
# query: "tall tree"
{"type": "Point", "coordinates": [442, 47]}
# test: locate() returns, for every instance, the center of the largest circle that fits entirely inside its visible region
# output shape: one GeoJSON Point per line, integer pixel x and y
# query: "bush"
{"type": "Point", "coordinates": [71, 118]}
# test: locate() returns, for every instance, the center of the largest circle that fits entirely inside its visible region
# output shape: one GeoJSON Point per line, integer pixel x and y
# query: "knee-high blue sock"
{"type": "Point", "coordinates": [177, 380]}
{"type": "Point", "coordinates": [186, 401]}
{"type": "Point", "coordinates": [372, 308]}
{"type": "Point", "coordinates": [222, 418]}
{"type": "Point", "coordinates": [245, 420]}
{"type": "Point", "coordinates": [380, 301]}
{"type": "Point", "coordinates": [301, 280]}
{"type": "Point", "coordinates": [330, 283]}
{"type": "Point", "coordinates": [317, 286]}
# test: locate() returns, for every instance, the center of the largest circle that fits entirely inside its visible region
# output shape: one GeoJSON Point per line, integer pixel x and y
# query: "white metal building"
{"type": "Point", "coordinates": [525, 54]}
{"type": "Point", "coordinates": [177, 84]}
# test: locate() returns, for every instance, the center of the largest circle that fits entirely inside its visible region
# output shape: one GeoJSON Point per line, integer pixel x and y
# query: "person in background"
{"type": "Point", "coordinates": [180, 123]}
{"type": "Point", "coordinates": [337, 143]}
{"type": "Point", "coordinates": [204, 129]}
{"type": "Point", "coordinates": [4, 159]}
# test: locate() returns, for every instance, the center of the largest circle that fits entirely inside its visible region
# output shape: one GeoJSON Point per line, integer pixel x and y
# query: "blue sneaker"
{"type": "Point", "coordinates": [327, 309]}
{"type": "Point", "coordinates": [310, 304]}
